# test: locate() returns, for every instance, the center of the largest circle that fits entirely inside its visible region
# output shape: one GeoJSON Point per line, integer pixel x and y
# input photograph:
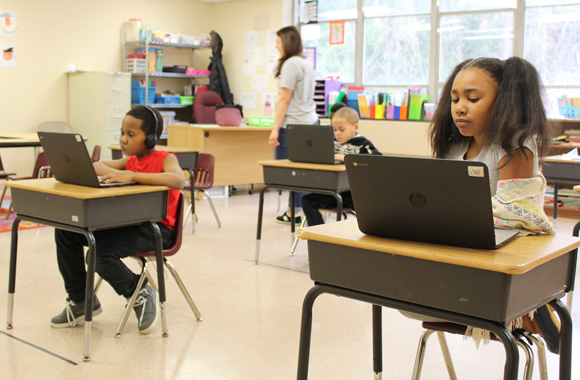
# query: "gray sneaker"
{"type": "Point", "coordinates": [146, 309]}
{"type": "Point", "coordinates": [73, 314]}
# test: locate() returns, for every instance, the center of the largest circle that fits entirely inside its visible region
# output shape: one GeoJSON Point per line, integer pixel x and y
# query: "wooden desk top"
{"type": "Point", "coordinates": [517, 257]}
{"type": "Point", "coordinates": [174, 149]}
{"type": "Point", "coordinates": [561, 158]}
{"type": "Point", "coordinates": [52, 186]}
{"type": "Point", "coordinates": [214, 127]}
{"type": "Point", "coordinates": [302, 165]}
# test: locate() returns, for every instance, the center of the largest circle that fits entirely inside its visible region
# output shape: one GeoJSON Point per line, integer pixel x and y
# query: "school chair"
{"type": "Point", "coordinates": [345, 212]}
{"type": "Point", "coordinates": [145, 257]}
{"type": "Point", "coordinates": [41, 170]}
{"type": "Point", "coordinates": [3, 173]}
{"type": "Point", "coordinates": [204, 104]}
{"type": "Point", "coordinates": [453, 328]}
{"type": "Point", "coordinates": [96, 155]}
{"type": "Point", "coordinates": [201, 180]}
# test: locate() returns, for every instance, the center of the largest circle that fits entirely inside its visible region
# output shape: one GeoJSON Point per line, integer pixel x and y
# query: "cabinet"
{"type": "Point", "coordinates": [98, 101]}
{"type": "Point", "coordinates": [322, 88]}
{"type": "Point", "coordinates": [143, 72]}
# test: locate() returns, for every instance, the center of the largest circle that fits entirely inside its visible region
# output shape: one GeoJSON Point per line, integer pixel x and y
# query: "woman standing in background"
{"type": "Point", "coordinates": [295, 104]}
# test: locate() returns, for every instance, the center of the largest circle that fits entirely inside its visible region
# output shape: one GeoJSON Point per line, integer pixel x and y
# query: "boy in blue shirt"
{"type": "Point", "coordinates": [345, 124]}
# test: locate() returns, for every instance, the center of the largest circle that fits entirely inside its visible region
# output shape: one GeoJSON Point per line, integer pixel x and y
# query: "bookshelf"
{"type": "Point", "coordinates": [322, 88]}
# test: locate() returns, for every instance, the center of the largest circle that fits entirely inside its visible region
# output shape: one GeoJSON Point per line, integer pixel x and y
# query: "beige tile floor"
{"type": "Point", "coordinates": [251, 316]}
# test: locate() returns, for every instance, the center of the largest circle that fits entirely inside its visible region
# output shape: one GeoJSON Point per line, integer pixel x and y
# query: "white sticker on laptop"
{"type": "Point", "coordinates": [78, 138]}
{"type": "Point", "coordinates": [475, 171]}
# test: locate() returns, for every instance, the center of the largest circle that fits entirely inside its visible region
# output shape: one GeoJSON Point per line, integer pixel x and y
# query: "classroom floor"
{"type": "Point", "coordinates": [251, 316]}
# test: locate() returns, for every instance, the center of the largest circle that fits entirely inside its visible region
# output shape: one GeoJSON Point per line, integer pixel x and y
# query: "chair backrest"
{"type": "Point", "coordinates": [204, 104]}
{"type": "Point", "coordinates": [175, 243]}
{"type": "Point", "coordinates": [96, 156]}
{"type": "Point", "coordinates": [3, 173]}
{"type": "Point", "coordinates": [40, 167]}
{"type": "Point", "coordinates": [203, 173]}
{"type": "Point", "coordinates": [55, 126]}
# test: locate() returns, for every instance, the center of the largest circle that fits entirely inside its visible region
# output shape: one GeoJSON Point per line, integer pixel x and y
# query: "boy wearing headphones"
{"type": "Point", "coordinates": [141, 128]}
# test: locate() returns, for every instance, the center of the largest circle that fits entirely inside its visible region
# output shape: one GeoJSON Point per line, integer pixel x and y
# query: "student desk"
{"type": "Point", "coordinates": [84, 210]}
{"type": "Point", "coordinates": [19, 140]}
{"type": "Point", "coordinates": [236, 149]}
{"type": "Point", "coordinates": [302, 177]}
{"type": "Point", "coordinates": [474, 287]}
{"type": "Point", "coordinates": [559, 169]}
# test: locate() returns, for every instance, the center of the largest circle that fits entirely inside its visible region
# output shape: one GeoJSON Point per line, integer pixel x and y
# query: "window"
{"type": "Point", "coordinates": [391, 44]}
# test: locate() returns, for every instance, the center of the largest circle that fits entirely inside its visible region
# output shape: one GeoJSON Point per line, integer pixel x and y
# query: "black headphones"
{"type": "Point", "coordinates": [151, 140]}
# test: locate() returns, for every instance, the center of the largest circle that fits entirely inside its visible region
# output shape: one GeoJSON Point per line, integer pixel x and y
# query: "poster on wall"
{"type": "Point", "coordinates": [8, 57]}
{"type": "Point", "coordinates": [7, 24]}
{"type": "Point", "coordinates": [336, 32]}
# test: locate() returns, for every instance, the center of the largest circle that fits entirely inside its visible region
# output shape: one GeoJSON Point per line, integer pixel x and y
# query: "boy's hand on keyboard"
{"type": "Point", "coordinates": [123, 176]}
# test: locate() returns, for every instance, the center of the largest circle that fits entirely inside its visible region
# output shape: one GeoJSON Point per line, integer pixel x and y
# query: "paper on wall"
{"type": "Point", "coordinates": [272, 97]}
{"type": "Point", "coordinates": [271, 40]}
{"type": "Point", "coordinates": [260, 56]}
{"type": "Point", "coordinates": [250, 41]}
{"type": "Point", "coordinates": [260, 83]}
{"type": "Point", "coordinates": [249, 64]}
{"type": "Point", "coordinates": [271, 62]}
{"type": "Point", "coordinates": [248, 100]}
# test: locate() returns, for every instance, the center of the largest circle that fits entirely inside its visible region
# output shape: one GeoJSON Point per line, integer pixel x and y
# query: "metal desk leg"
{"type": "Point", "coordinates": [306, 333]}
{"type": "Point", "coordinates": [565, 339]}
{"type": "Point", "coordinates": [12, 272]}
{"type": "Point", "coordinates": [89, 293]}
{"type": "Point", "coordinates": [160, 278]}
{"type": "Point", "coordinates": [259, 229]}
{"type": "Point", "coordinates": [377, 342]}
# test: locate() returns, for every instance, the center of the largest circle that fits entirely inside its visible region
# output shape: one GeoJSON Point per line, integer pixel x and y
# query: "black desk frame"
{"type": "Point", "coordinates": [292, 190]}
{"type": "Point", "coordinates": [507, 339]}
{"type": "Point", "coordinates": [91, 260]}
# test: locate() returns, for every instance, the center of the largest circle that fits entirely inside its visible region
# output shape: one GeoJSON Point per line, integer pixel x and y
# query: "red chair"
{"type": "Point", "coordinates": [204, 104]}
{"type": "Point", "coordinates": [144, 259]}
{"type": "Point", "coordinates": [96, 156]}
{"type": "Point", "coordinates": [3, 174]}
{"type": "Point", "coordinates": [201, 180]}
{"type": "Point", "coordinates": [41, 170]}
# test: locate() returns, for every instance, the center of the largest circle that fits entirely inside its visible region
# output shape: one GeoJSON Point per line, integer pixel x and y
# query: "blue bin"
{"type": "Point", "coordinates": [138, 95]}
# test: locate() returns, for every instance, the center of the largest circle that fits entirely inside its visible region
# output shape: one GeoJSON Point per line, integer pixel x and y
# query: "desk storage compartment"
{"type": "Point", "coordinates": [561, 171]}
{"type": "Point", "coordinates": [92, 213]}
{"type": "Point", "coordinates": [491, 295]}
{"type": "Point", "coordinates": [317, 179]}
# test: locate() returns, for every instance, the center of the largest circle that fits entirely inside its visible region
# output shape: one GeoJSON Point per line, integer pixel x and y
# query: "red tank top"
{"type": "Point", "coordinates": [153, 163]}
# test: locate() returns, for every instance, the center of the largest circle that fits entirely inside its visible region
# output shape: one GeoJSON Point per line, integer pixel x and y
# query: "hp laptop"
{"type": "Point", "coordinates": [311, 143]}
{"type": "Point", "coordinates": [428, 200]}
{"type": "Point", "coordinates": [70, 161]}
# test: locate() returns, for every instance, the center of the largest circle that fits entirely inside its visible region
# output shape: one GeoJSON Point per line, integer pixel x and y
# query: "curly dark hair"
{"type": "Point", "coordinates": [517, 114]}
{"type": "Point", "coordinates": [151, 124]}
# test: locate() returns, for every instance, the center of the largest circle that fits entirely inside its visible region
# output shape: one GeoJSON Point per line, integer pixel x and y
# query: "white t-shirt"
{"type": "Point", "coordinates": [297, 75]}
{"type": "Point", "coordinates": [491, 155]}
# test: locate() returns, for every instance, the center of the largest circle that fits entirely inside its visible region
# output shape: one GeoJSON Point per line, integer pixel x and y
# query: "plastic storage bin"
{"type": "Point", "coordinates": [188, 100]}
{"type": "Point", "coordinates": [260, 121]}
{"type": "Point", "coordinates": [566, 110]}
{"type": "Point", "coordinates": [138, 94]}
{"type": "Point", "coordinates": [167, 99]}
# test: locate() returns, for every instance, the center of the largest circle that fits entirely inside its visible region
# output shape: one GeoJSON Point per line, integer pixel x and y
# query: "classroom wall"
{"type": "Point", "coordinates": [234, 19]}
{"type": "Point", "coordinates": [88, 33]}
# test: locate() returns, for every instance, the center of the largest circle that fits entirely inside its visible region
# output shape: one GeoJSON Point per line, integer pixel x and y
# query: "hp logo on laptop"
{"type": "Point", "coordinates": [418, 200]}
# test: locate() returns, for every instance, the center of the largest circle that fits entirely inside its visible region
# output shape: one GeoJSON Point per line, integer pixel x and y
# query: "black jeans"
{"type": "Point", "coordinates": [313, 202]}
{"type": "Point", "coordinates": [112, 245]}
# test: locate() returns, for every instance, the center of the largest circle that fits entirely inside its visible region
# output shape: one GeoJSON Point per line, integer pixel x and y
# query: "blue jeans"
{"type": "Point", "coordinates": [281, 153]}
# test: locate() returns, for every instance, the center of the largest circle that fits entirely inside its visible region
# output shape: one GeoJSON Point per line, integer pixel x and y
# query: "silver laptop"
{"type": "Point", "coordinates": [428, 200]}
{"type": "Point", "coordinates": [70, 161]}
{"type": "Point", "coordinates": [311, 143]}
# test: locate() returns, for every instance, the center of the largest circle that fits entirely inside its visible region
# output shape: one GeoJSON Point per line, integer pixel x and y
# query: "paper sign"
{"type": "Point", "coordinates": [248, 100]}
{"type": "Point", "coordinates": [271, 62]}
{"type": "Point", "coordinates": [249, 64]}
{"type": "Point", "coordinates": [336, 32]}
{"type": "Point", "coordinates": [260, 83]}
